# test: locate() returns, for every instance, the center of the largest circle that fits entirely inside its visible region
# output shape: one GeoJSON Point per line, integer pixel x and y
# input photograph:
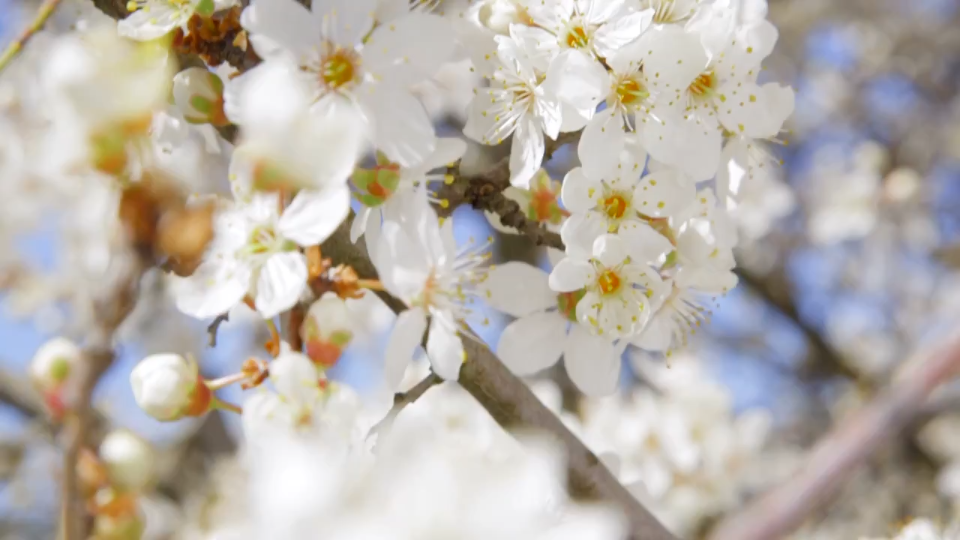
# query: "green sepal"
{"type": "Point", "coordinates": [205, 8]}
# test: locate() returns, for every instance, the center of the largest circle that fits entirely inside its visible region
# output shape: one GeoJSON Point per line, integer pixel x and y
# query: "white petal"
{"type": "Point", "coordinates": [143, 25]}
{"type": "Point", "coordinates": [401, 128]}
{"type": "Point", "coordinates": [346, 21]}
{"type": "Point", "coordinates": [580, 231]}
{"type": "Point", "coordinates": [484, 121]}
{"type": "Point", "coordinates": [404, 340]}
{"type": "Point", "coordinates": [644, 244]}
{"type": "Point", "coordinates": [281, 282]}
{"type": "Point", "coordinates": [280, 27]}
{"type": "Point", "coordinates": [212, 289]}
{"type": "Point", "coordinates": [409, 49]}
{"type": "Point", "coordinates": [580, 192]}
{"type": "Point", "coordinates": [657, 336]}
{"type": "Point", "coordinates": [313, 215]}
{"type": "Point", "coordinates": [664, 193]}
{"type": "Point", "coordinates": [570, 275]}
{"type": "Point", "coordinates": [526, 152]}
{"type": "Point", "coordinates": [444, 347]}
{"type": "Point", "coordinates": [538, 45]}
{"type": "Point", "coordinates": [518, 289]}
{"type": "Point", "coordinates": [620, 31]}
{"type": "Point", "coordinates": [592, 362]}
{"type": "Point", "coordinates": [609, 250]}
{"type": "Point", "coordinates": [359, 225]}
{"type": "Point", "coordinates": [532, 343]}
{"type": "Point", "coordinates": [549, 111]}
{"type": "Point", "coordinates": [601, 143]}
{"type": "Point", "coordinates": [403, 264]}
{"type": "Point", "coordinates": [578, 79]}
{"type": "Point", "coordinates": [673, 58]}
{"type": "Point", "coordinates": [685, 144]}
{"type": "Point", "coordinates": [448, 150]}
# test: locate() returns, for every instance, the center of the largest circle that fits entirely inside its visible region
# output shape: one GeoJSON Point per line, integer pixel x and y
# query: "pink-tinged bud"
{"type": "Point", "coordinates": [198, 93]}
{"type": "Point", "coordinates": [327, 331]}
{"type": "Point", "coordinates": [52, 371]}
{"type": "Point", "coordinates": [129, 460]}
{"type": "Point", "coordinates": [169, 387]}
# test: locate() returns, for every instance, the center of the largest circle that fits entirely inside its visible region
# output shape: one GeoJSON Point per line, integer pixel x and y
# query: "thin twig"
{"type": "Point", "coordinates": [514, 406]}
{"type": "Point", "coordinates": [46, 10]}
{"type": "Point", "coordinates": [402, 399]}
{"type": "Point", "coordinates": [214, 327]}
{"type": "Point", "coordinates": [837, 456]}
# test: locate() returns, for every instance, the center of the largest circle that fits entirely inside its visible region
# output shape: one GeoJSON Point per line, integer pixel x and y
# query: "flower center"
{"type": "Point", "coordinates": [629, 91]}
{"type": "Point", "coordinates": [608, 282]}
{"type": "Point", "coordinates": [704, 84]}
{"type": "Point", "coordinates": [264, 239]}
{"type": "Point", "coordinates": [338, 68]}
{"type": "Point", "coordinates": [614, 206]}
{"type": "Point", "coordinates": [577, 37]}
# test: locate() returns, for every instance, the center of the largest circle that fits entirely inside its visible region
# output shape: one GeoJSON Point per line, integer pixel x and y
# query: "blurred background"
{"type": "Point", "coordinates": [849, 262]}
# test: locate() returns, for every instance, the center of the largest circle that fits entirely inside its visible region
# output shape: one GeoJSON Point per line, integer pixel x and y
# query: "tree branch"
{"type": "Point", "coordinates": [402, 399]}
{"type": "Point", "coordinates": [837, 456]}
{"type": "Point", "coordinates": [514, 406]}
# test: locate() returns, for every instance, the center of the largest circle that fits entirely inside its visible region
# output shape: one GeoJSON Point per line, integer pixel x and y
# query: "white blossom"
{"type": "Point", "coordinates": [169, 386]}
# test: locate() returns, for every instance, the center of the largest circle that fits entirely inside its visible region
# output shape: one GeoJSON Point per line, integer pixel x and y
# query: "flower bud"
{"type": "Point", "coordinates": [327, 331]}
{"type": "Point", "coordinates": [169, 387]}
{"type": "Point", "coordinates": [376, 185]}
{"type": "Point", "coordinates": [198, 93]}
{"type": "Point", "coordinates": [129, 460]}
{"type": "Point", "coordinates": [118, 516]}
{"type": "Point", "coordinates": [51, 370]}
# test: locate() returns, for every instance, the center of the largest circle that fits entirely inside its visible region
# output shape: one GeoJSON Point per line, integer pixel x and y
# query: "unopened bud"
{"type": "Point", "coordinates": [327, 331]}
{"type": "Point", "coordinates": [129, 460]}
{"type": "Point", "coordinates": [198, 93]}
{"type": "Point", "coordinates": [169, 387]}
{"type": "Point", "coordinates": [117, 516]}
{"type": "Point", "coordinates": [53, 367]}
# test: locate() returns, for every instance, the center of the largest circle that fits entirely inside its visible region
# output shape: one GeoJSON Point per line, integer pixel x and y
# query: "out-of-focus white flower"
{"type": "Point", "coordinates": [53, 371]}
{"type": "Point", "coordinates": [198, 93]}
{"type": "Point", "coordinates": [281, 146]}
{"type": "Point", "coordinates": [418, 262]}
{"type": "Point", "coordinates": [255, 252]}
{"type": "Point", "coordinates": [151, 19]}
{"type": "Point", "coordinates": [327, 330]}
{"type": "Point", "coordinates": [129, 460]}
{"type": "Point", "coordinates": [169, 387]}
{"type": "Point", "coordinates": [924, 529]}
{"type": "Point", "coordinates": [345, 62]}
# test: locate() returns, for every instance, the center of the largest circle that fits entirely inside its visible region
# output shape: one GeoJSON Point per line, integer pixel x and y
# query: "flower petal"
{"type": "Point", "coordinates": [645, 244]}
{"type": "Point", "coordinates": [526, 152]}
{"type": "Point", "coordinates": [143, 25]}
{"type": "Point", "coordinates": [610, 250]}
{"type": "Point", "coordinates": [404, 340]}
{"type": "Point", "coordinates": [409, 49]}
{"type": "Point", "coordinates": [532, 343]}
{"type": "Point", "coordinates": [592, 362]}
{"type": "Point", "coordinates": [601, 142]}
{"type": "Point", "coordinates": [664, 193]}
{"type": "Point", "coordinates": [620, 31]}
{"type": "Point", "coordinates": [313, 215]}
{"type": "Point", "coordinates": [570, 275]}
{"type": "Point", "coordinates": [359, 225]}
{"type": "Point", "coordinates": [280, 27]}
{"type": "Point", "coordinates": [345, 22]}
{"type": "Point", "coordinates": [518, 289]}
{"type": "Point", "coordinates": [673, 57]}
{"type": "Point", "coordinates": [444, 347]}
{"type": "Point", "coordinates": [214, 288]}
{"type": "Point", "coordinates": [401, 128]}
{"type": "Point", "coordinates": [448, 150]}
{"type": "Point", "coordinates": [580, 231]}
{"type": "Point", "coordinates": [578, 79]}
{"type": "Point", "coordinates": [281, 282]}
{"type": "Point", "coordinates": [580, 192]}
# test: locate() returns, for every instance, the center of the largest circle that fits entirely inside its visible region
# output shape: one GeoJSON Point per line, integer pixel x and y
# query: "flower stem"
{"type": "Point", "coordinates": [372, 284]}
{"type": "Point", "coordinates": [216, 384]}
{"type": "Point", "coordinates": [273, 346]}
{"type": "Point", "coordinates": [217, 403]}
{"type": "Point", "coordinates": [14, 48]}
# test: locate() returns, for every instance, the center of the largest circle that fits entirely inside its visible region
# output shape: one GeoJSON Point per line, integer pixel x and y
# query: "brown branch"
{"type": "Point", "coordinates": [514, 406]}
{"type": "Point", "coordinates": [837, 456]}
